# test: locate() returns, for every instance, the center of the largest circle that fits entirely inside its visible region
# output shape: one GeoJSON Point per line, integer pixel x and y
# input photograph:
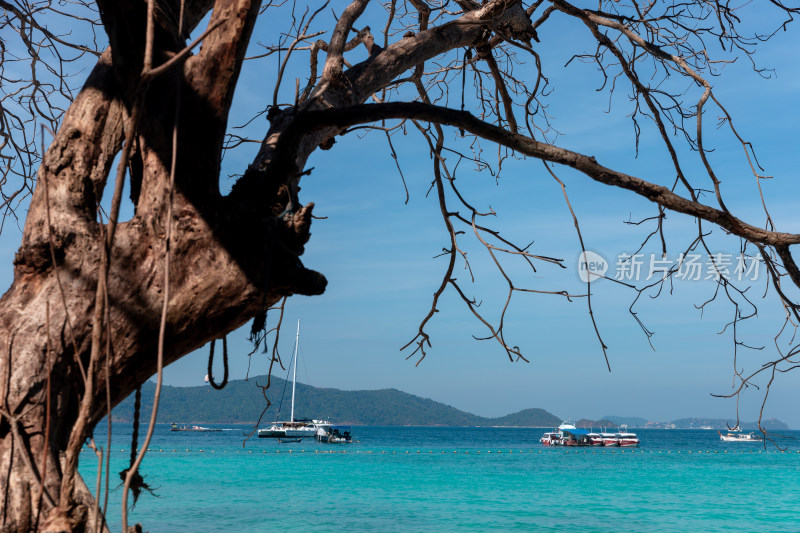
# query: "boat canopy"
{"type": "Point", "coordinates": [577, 431]}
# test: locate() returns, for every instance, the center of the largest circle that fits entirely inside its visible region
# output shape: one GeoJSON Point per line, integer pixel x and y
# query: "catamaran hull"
{"type": "Point", "coordinates": [299, 433]}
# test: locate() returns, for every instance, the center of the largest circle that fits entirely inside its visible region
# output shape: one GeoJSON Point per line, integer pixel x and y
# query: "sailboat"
{"type": "Point", "coordinates": [290, 430]}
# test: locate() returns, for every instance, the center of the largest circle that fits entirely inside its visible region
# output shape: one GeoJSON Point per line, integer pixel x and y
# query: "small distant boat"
{"type": "Point", "coordinates": [185, 427]}
{"type": "Point", "coordinates": [551, 438]}
{"type": "Point", "coordinates": [736, 435]}
{"type": "Point", "coordinates": [332, 434]}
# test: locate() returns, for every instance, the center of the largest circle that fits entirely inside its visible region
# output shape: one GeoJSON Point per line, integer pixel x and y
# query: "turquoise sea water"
{"type": "Point", "coordinates": [458, 479]}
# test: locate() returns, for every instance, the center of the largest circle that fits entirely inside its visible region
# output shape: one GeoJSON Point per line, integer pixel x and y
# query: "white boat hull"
{"type": "Point", "coordinates": [283, 432]}
{"type": "Point", "coordinates": [739, 437]}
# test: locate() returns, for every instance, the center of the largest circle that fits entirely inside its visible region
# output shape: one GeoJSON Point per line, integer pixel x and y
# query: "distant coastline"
{"type": "Point", "coordinates": [241, 402]}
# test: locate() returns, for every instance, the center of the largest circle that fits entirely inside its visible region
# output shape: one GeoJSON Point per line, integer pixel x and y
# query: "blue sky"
{"type": "Point", "coordinates": [378, 256]}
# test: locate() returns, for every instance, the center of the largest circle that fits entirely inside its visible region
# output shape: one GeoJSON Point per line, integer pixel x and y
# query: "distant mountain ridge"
{"type": "Point", "coordinates": [698, 423]}
{"type": "Point", "coordinates": [630, 421]}
{"type": "Point", "coordinates": [242, 402]}
{"type": "Point", "coordinates": [603, 423]}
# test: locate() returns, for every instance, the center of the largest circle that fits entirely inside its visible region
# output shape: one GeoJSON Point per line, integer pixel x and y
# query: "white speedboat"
{"type": "Point", "coordinates": [736, 435]}
{"type": "Point", "coordinates": [331, 433]}
{"type": "Point", "coordinates": [184, 427]}
{"type": "Point", "coordinates": [551, 438]}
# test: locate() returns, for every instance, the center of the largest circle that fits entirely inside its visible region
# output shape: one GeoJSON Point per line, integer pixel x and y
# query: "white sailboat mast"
{"type": "Point", "coordinates": [294, 364]}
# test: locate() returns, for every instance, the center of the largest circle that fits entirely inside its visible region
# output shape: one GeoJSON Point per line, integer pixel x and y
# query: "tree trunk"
{"type": "Point", "coordinates": [231, 257]}
{"type": "Point", "coordinates": [228, 262]}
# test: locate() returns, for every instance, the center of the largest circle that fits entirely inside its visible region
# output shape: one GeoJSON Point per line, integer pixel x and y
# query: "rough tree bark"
{"type": "Point", "coordinates": [232, 256]}
{"type": "Point", "coordinates": [223, 272]}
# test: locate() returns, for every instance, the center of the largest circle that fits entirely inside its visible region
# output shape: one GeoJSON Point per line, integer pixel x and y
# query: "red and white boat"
{"type": "Point", "coordinates": [609, 439]}
{"type": "Point", "coordinates": [595, 438]}
{"type": "Point", "coordinates": [626, 438]}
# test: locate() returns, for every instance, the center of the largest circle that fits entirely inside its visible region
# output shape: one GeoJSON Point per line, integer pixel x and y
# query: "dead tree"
{"type": "Point", "coordinates": [93, 300]}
